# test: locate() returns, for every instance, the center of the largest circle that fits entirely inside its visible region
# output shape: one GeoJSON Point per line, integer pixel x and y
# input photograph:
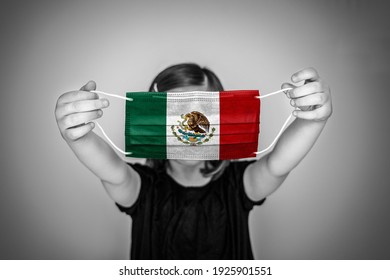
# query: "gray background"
{"type": "Point", "coordinates": [334, 205]}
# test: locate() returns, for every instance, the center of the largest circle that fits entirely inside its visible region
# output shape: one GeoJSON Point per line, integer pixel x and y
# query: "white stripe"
{"type": "Point", "coordinates": [175, 108]}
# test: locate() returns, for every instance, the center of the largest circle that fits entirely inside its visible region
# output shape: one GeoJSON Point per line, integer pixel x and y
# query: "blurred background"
{"type": "Point", "coordinates": [334, 205]}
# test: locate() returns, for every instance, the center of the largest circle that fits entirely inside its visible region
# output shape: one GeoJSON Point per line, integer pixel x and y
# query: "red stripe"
{"type": "Point", "coordinates": [239, 119]}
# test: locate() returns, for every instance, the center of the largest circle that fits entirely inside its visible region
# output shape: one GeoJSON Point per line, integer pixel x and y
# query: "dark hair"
{"type": "Point", "coordinates": [183, 75]}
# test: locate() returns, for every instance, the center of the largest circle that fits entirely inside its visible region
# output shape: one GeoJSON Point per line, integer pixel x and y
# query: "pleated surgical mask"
{"type": "Point", "coordinates": [197, 125]}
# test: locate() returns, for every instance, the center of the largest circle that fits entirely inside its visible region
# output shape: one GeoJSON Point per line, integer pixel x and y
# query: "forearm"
{"type": "Point", "coordinates": [313, 106]}
{"type": "Point", "coordinates": [75, 112]}
{"type": "Point", "coordinates": [293, 145]}
{"type": "Point", "coordinates": [100, 158]}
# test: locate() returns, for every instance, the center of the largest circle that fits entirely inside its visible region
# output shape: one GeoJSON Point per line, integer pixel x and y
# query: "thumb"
{"type": "Point", "coordinates": [91, 85]}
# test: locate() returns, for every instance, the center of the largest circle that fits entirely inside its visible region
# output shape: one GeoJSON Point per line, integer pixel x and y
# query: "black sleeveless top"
{"type": "Point", "coordinates": [171, 221]}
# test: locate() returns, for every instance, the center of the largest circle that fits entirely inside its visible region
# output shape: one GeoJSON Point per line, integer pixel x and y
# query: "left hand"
{"type": "Point", "coordinates": [312, 99]}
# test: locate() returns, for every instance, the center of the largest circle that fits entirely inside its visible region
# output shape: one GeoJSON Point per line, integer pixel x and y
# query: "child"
{"type": "Point", "coordinates": [196, 209]}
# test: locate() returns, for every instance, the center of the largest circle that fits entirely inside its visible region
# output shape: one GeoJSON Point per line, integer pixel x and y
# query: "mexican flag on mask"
{"type": "Point", "coordinates": [192, 125]}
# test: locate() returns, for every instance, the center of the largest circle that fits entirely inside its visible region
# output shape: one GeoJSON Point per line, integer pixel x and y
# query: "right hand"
{"type": "Point", "coordinates": [75, 111]}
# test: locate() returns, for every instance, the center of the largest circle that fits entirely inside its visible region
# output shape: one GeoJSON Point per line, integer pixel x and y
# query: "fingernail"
{"type": "Point", "coordinates": [292, 102]}
{"type": "Point", "coordinates": [294, 78]}
{"type": "Point", "coordinates": [100, 112]}
{"type": "Point", "coordinates": [105, 103]}
{"type": "Point", "coordinates": [294, 113]}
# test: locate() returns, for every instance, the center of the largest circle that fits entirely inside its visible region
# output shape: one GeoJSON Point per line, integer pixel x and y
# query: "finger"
{"type": "Point", "coordinates": [91, 85]}
{"type": "Point", "coordinates": [82, 106]}
{"type": "Point", "coordinates": [287, 85]}
{"type": "Point", "coordinates": [73, 96]}
{"type": "Point", "coordinates": [319, 98]}
{"type": "Point", "coordinates": [305, 74]}
{"type": "Point", "coordinates": [78, 132]}
{"type": "Point", "coordinates": [321, 113]}
{"type": "Point", "coordinates": [306, 89]}
{"type": "Point", "coordinates": [79, 118]}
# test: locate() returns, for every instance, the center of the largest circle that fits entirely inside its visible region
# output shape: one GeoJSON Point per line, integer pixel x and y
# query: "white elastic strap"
{"type": "Point", "coordinates": [284, 125]}
{"type": "Point", "coordinates": [272, 93]}
{"type": "Point", "coordinates": [112, 143]}
{"type": "Point", "coordinates": [101, 128]}
{"type": "Point", "coordinates": [277, 136]}
{"type": "Point", "coordinates": [113, 95]}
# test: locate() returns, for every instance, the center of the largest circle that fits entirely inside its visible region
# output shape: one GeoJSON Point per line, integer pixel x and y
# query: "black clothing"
{"type": "Point", "coordinates": [171, 221]}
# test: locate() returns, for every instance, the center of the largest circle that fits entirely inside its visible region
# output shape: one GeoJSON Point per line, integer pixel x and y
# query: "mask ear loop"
{"type": "Point", "coordinates": [101, 128]}
{"type": "Point", "coordinates": [113, 95]}
{"type": "Point", "coordinates": [284, 125]}
{"type": "Point", "coordinates": [130, 99]}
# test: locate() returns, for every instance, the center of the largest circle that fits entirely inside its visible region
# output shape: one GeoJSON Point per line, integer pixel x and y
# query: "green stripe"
{"type": "Point", "coordinates": [146, 119]}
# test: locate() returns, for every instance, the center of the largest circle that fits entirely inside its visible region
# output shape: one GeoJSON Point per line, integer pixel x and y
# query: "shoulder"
{"type": "Point", "coordinates": [237, 168]}
{"type": "Point", "coordinates": [142, 169]}
{"type": "Point", "coordinates": [149, 179]}
{"type": "Point", "coordinates": [234, 177]}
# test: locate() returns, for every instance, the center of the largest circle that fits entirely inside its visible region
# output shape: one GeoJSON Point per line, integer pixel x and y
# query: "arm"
{"type": "Point", "coordinates": [75, 112]}
{"type": "Point", "coordinates": [315, 107]}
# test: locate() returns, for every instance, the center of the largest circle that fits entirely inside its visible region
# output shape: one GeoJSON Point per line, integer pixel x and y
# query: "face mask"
{"type": "Point", "coordinates": [193, 125]}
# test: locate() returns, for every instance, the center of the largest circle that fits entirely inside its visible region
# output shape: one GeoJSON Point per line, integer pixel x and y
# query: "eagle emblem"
{"type": "Point", "coordinates": [193, 129]}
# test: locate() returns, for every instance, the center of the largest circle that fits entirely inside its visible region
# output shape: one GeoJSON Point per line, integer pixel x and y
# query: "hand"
{"type": "Point", "coordinates": [312, 98]}
{"type": "Point", "coordinates": [75, 111]}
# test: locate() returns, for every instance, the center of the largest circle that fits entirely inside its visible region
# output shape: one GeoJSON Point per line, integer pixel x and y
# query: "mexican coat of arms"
{"type": "Point", "coordinates": [193, 129]}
